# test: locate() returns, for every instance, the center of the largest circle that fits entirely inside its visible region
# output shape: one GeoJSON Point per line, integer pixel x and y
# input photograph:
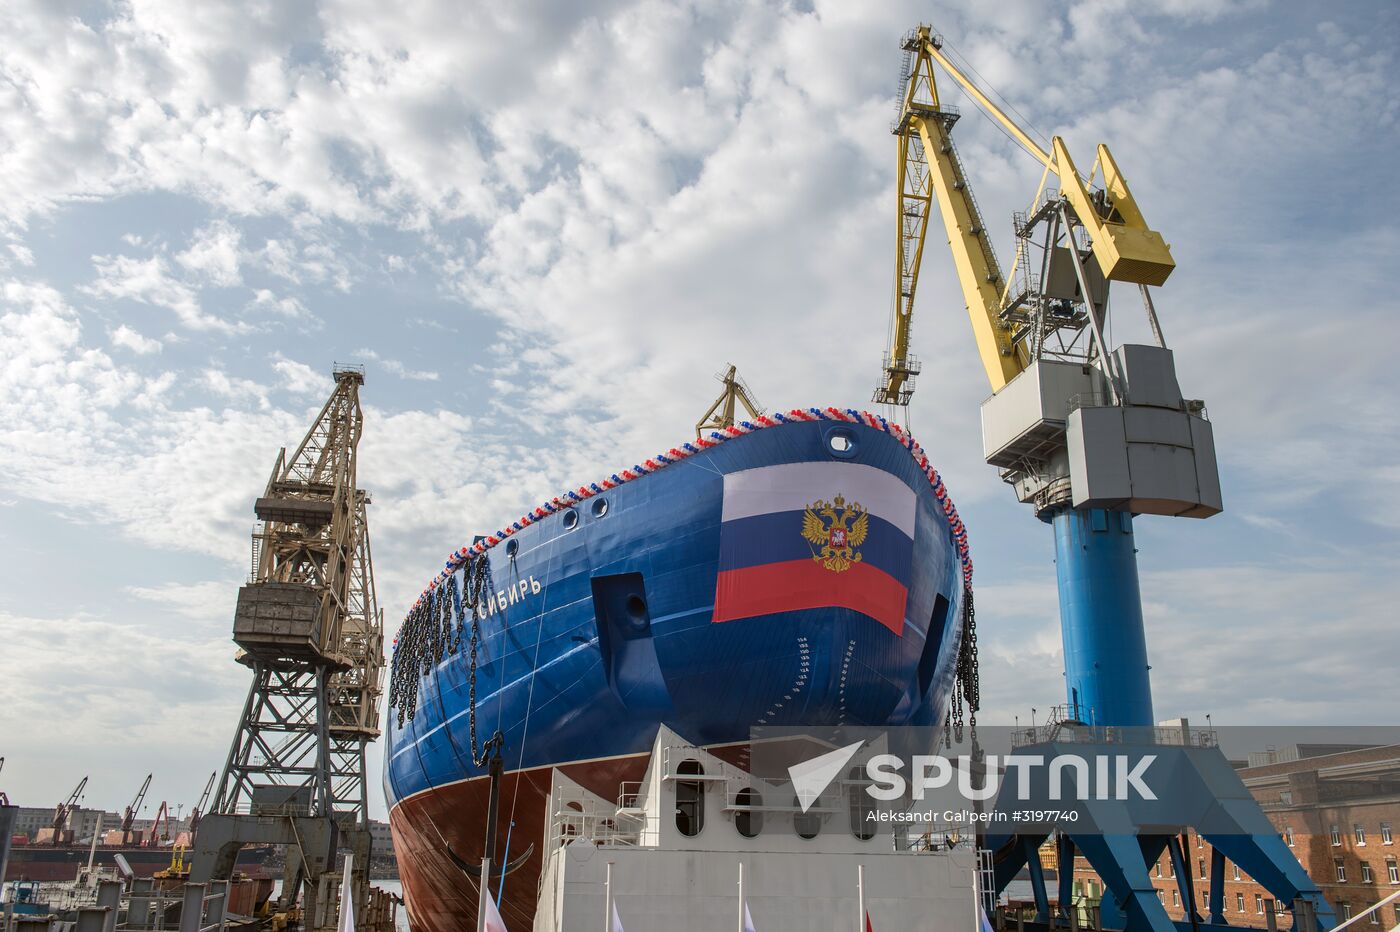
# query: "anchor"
{"type": "Point", "coordinates": [495, 770]}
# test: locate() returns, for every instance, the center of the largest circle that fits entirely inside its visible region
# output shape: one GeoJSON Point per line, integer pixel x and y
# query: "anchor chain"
{"type": "Point", "coordinates": [967, 687]}
{"type": "Point", "coordinates": [434, 629]}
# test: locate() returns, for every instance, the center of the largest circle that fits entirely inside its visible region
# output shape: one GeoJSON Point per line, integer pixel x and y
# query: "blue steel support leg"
{"type": "Point", "coordinates": [1064, 867]}
{"type": "Point", "coordinates": [1182, 868]}
{"type": "Point", "coordinates": [1217, 887]}
{"type": "Point", "coordinates": [1042, 899]}
{"type": "Point", "coordinates": [1269, 862]}
{"type": "Point", "coordinates": [1118, 859]}
{"type": "Point", "coordinates": [1106, 671]}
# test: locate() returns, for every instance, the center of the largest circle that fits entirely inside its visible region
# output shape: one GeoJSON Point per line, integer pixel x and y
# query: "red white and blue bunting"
{"type": "Point", "coordinates": [660, 461]}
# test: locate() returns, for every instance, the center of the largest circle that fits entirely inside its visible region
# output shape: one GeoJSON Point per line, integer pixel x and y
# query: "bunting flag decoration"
{"type": "Point", "coordinates": [464, 555]}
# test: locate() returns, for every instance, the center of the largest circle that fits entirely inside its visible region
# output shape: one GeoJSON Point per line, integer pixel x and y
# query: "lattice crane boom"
{"type": "Point", "coordinates": [129, 816]}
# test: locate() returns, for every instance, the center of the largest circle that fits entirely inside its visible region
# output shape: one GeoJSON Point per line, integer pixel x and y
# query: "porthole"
{"type": "Point", "coordinates": [512, 547]}
{"type": "Point", "coordinates": [841, 442]}
{"type": "Point", "coordinates": [570, 519]}
{"type": "Point", "coordinates": [600, 507]}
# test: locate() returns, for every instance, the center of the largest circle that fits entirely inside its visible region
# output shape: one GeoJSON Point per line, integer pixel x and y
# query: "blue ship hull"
{"type": "Point", "coordinates": [600, 627]}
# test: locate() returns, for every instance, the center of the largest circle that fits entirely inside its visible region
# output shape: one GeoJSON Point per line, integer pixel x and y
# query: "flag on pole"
{"type": "Point", "coordinates": [984, 924]}
{"type": "Point", "coordinates": [346, 922]}
{"type": "Point", "coordinates": [616, 919]}
{"type": "Point", "coordinates": [748, 920]}
{"type": "Point", "coordinates": [868, 926]}
{"type": "Point", "coordinates": [494, 922]}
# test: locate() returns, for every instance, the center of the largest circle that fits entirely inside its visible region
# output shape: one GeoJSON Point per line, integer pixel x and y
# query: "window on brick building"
{"type": "Point", "coordinates": [1393, 870]}
{"type": "Point", "coordinates": [1162, 897]}
{"type": "Point", "coordinates": [1239, 902]}
{"type": "Point", "coordinates": [1158, 868]}
{"type": "Point", "coordinates": [1336, 834]}
{"type": "Point", "coordinates": [1397, 913]}
{"type": "Point", "coordinates": [1201, 862]}
{"type": "Point", "coordinates": [1200, 842]}
{"type": "Point", "coordinates": [1346, 911]}
{"type": "Point", "coordinates": [1375, 917]}
{"type": "Point", "coordinates": [1176, 898]}
{"type": "Point", "coordinates": [1386, 837]}
{"type": "Point", "coordinates": [1341, 870]}
{"type": "Point", "coordinates": [1205, 899]}
{"type": "Point", "coordinates": [1288, 835]}
{"type": "Point", "coordinates": [1237, 871]}
{"type": "Point", "coordinates": [1278, 907]}
{"type": "Point", "coordinates": [1365, 872]}
{"type": "Point", "coordinates": [1171, 868]}
{"type": "Point", "coordinates": [1359, 831]}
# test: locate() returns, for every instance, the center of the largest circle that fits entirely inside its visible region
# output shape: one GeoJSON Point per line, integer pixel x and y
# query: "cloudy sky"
{"type": "Point", "coordinates": [543, 226]}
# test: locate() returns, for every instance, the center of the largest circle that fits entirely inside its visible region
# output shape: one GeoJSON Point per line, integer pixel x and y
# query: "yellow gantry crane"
{"type": "Point", "coordinates": [1124, 248]}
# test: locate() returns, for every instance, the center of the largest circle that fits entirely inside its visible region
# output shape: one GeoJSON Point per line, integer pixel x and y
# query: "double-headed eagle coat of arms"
{"type": "Point", "coordinates": [835, 530]}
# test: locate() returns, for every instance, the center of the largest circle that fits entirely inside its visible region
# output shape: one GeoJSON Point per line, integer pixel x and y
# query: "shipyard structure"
{"type": "Point", "coordinates": [576, 703]}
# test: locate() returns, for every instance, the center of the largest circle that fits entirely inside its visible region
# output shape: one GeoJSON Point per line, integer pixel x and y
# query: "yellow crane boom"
{"type": "Point", "coordinates": [929, 167]}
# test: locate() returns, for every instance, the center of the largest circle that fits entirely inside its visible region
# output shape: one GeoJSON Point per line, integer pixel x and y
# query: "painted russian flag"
{"type": "Point", "coordinates": [815, 535]}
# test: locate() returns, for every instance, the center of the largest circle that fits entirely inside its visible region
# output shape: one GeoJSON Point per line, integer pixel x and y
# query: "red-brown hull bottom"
{"type": "Point", "coordinates": [439, 896]}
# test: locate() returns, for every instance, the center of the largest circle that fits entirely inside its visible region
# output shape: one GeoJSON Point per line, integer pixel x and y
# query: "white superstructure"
{"type": "Point", "coordinates": [670, 851]}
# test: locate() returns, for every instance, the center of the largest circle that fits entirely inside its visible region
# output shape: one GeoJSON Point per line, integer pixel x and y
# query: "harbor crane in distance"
{"type": "Point", "coordinates": [1089, 435]}
{"type": "Point", "coordinates": [198, 811]}
{"type": "Point", "coordinates": [160, 827]}
{"type": "Point", "coordinates": [64, 810]}
{"type": "Point", "coordinates": [736, 392]}
{"type": "Point", "coordinates": [129, 816]}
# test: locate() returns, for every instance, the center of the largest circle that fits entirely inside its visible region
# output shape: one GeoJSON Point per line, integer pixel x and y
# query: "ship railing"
{"type": "Point", "coordinates": [931, 838]}
{"type": "Point", "coordinates": [576, 815]}
{"type": "Point", "coordinates": [674, 756]}
{"type": "Point", "coordinates": [1069, 732]}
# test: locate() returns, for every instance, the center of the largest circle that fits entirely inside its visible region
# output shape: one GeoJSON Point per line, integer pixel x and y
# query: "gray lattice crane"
{"type": "Point", "coordinates": [309, 626]}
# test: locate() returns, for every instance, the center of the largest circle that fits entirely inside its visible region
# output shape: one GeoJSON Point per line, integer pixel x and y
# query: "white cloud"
{"type": "Point", "coordinates": [287, 306]}
{"type": "Point", "coordinates": [394, 367]}
{"type": "Point", "coordinates": [126, 337]}
{"type": "Point", "coordinates": [235, 389]}
{"type": "Point", "coordinates": [136, 680]}
{"type": "Point", "coordinates": [300, 379]}
{"type": "Point", "coordinates": [210, 600]}
{"type": "Point", "coordinates": [23, 254]}
{"type": "Point", "coordinates": [150, 281]}
{"type": "Point", "coordinates": [213, 254]}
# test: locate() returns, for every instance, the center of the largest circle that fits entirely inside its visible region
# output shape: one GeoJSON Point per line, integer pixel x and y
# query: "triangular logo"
{"type": "Point", "coordinates": [811, 777]}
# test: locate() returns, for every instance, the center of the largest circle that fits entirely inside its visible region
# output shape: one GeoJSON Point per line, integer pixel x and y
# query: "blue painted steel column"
{"type": "Point", "coordinates": [1106, 671]}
